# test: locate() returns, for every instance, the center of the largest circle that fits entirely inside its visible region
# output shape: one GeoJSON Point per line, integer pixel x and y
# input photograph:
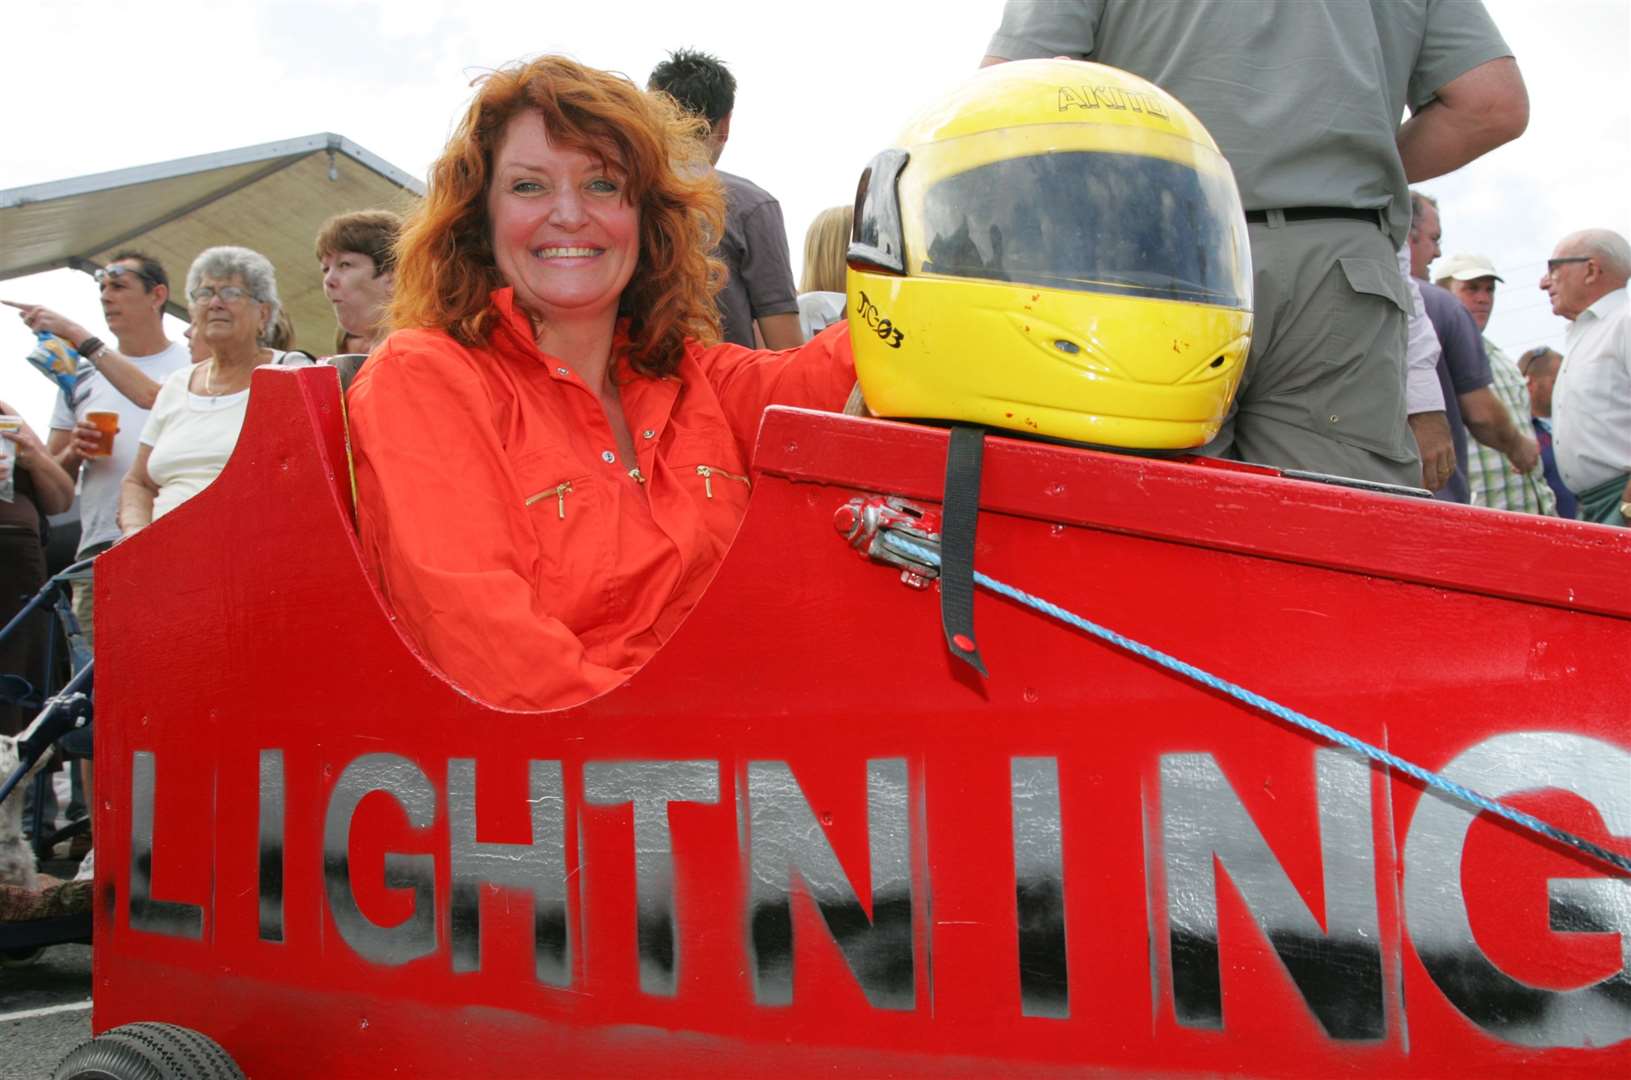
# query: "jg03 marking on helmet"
{"type": "Point", "coordinates": [1056, 248]}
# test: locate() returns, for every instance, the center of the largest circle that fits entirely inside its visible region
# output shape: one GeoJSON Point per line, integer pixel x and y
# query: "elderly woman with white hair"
{"type": "Point", "coordinates": [194, 424]}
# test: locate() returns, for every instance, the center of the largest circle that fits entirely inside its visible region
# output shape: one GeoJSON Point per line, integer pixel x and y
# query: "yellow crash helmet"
{"type": "Point", "coordinates": [1057, 248]}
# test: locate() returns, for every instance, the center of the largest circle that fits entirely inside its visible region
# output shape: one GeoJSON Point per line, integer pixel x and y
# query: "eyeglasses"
{"type": "Point", "coordinates": [116, 272]}
{"type": "Point", "coordinates": [1553, 264]}
{"type": "Point", "coordinates": [230, 293]}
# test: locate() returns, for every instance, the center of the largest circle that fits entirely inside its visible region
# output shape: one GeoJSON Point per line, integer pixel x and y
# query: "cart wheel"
{"type": "Point", "coordinates": [149, 1052]}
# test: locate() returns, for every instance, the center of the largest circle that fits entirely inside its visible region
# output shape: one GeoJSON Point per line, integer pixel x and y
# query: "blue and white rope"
{"type": "Point", "coordinates": [1273, 708]}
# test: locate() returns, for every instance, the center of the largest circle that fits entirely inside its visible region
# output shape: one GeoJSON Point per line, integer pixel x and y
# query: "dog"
{"type": "Point", "coordinates": [17, 865]}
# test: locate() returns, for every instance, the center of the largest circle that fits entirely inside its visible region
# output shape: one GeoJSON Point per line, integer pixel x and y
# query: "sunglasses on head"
{"type": "Point", "coordinates": [117, 272]}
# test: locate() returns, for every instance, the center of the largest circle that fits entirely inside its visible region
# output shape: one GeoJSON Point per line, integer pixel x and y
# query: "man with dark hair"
{"type": "Point", "coordinates": [754, 248]}
{"type": "Point", "coordinates": [357, 254]}
{"type": "Point", "coordinates": [134, 289]}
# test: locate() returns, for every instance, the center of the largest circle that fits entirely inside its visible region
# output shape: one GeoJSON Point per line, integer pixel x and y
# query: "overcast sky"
{"type": "Point", "coordinates": [90, 86]}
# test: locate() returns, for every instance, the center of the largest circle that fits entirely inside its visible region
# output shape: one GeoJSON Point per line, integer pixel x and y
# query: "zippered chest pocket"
{"type": "Point", "coordinates": [553, 502]}
{"type": "Point", "coordinates": [559, 493]}
{"type": "Point", "coordinates": [713, 474]}
{"type": "Point", "coordinates": [718, 495]}
{"type": "Point", "coordinates": [566, 508]}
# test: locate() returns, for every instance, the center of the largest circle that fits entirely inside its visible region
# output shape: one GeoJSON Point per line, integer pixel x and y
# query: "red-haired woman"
{"type": "Point", "coordinates": [551, 450]}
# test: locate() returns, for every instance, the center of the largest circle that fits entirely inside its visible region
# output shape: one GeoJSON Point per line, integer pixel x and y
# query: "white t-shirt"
{"type": "Point", "coordinates": [192, 436]}
{"type": "Point", "coordinates": [819, 310]}
{"type": "Point", "coordinates": [100, 478]}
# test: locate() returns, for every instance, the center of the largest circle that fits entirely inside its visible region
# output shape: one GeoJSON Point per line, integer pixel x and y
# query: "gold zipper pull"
{"type": "Point", "coordinates": [708, 472]}
{"type": "Point", "coordinates": [560, 499]}
{"type": "Point", "coordinates": [636, 476]}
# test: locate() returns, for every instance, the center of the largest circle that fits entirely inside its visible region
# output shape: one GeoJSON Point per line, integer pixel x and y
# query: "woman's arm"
{"type": "Point", "coordinates": [818, 375]}
{"type": "Point", "coordinates": [53, 487]}
{"type": "Point", "coordinates": [136, 495]}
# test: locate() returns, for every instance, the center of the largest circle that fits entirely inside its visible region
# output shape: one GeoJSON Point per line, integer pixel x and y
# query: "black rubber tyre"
{"type": "Point", "coordinates": [149, 1052]}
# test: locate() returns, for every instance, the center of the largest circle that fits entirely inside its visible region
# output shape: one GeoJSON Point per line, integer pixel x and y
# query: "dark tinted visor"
{"type": "Point", "coordinates": [1093, 221]}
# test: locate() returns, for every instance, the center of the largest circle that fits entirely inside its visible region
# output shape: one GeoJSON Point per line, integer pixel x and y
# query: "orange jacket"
{"type": "Point", "coordinates": [516, 550]}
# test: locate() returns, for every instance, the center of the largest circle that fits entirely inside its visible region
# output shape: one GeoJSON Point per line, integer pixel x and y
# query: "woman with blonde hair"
{"type": "Point", "coordinates": [821, 289]}
{"type": "Point", "coordinates": [552, 451]}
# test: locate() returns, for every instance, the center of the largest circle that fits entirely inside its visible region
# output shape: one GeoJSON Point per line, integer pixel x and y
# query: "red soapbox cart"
{"type": "Point", "coordinates": [805, 840]}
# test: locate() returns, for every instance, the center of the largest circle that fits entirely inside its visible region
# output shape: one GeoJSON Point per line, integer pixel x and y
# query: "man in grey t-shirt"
{"type": "Point", "coordinates": [133, 289]}
{"type": "Point", "coordinates": [754, 248]}
{"type": "Point", "coordinates": [1304, 100]}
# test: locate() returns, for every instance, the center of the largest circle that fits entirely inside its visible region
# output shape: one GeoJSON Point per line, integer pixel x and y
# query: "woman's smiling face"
{"type": "Point", "coordinates": [563, 233]}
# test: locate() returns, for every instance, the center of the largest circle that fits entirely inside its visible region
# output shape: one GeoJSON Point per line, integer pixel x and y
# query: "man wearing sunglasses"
{"type": "Point", "coordinates": [133, 290]}
{"type": "Point", "coordinates": [1591, 401]}
{"type": "Point", "coordinates": [1492, 478]}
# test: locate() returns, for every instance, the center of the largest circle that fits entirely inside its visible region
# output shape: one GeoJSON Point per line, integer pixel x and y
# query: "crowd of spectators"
{"type": "Point", "coordinates": [176, 410]}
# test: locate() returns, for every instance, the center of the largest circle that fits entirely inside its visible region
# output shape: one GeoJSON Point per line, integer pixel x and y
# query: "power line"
{"type": "Point", "coordinates": [1533, 305]}
{"type": "Point", "coordinates": [1536, 343]}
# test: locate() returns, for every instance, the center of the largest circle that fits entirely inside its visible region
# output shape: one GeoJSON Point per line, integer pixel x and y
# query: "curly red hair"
{"type": "Point", "coordinates": [445, 267]}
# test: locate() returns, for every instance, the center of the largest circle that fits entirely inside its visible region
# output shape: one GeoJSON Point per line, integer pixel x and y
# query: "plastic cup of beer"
{"type": "Point", "coordinates": [8, 458]}
{"type": "Point", "coordinates": [107, 426]}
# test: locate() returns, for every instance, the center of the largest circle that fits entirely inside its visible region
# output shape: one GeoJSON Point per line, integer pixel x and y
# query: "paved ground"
{"type": "Point", "coordinates": [44, 1011]}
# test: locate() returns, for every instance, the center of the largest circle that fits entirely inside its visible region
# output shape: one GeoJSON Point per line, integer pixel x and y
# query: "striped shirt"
{"type": "Point", "coordinates": [1493, 480]}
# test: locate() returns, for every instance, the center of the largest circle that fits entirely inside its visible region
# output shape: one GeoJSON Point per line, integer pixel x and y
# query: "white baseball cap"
{"type": "Point", "coordinates": [1466, 268]}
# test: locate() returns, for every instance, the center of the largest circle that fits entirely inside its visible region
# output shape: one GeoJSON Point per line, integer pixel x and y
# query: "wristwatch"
{"type": "Point", "coordinates": [89, 348]}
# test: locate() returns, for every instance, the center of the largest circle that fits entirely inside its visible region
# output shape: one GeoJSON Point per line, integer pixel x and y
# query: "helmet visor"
{"type": "Point", "coordinates": [1089, 220]}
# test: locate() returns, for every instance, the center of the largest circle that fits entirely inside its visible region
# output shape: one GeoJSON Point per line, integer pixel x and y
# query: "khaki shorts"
{"type": "Point", "coordinates": [83, 601]}
{"type": "Point", "coordinates": [1324, 384]}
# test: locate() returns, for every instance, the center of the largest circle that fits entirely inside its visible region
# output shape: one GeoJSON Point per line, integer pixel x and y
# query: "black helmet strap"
{"type": "Point", "coordinates": [959, 515]}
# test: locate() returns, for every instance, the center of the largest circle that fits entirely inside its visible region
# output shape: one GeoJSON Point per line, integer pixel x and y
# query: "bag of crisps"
{"type": "Point", "coordinates": [57, 361]}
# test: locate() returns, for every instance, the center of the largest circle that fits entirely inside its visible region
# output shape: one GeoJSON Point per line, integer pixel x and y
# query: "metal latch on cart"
{"type": "Point", "coordinates": [864, 519]}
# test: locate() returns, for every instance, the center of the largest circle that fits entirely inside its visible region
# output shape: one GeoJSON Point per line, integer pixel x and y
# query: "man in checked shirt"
{"type": "Point", "coordinates": [1491, 477]}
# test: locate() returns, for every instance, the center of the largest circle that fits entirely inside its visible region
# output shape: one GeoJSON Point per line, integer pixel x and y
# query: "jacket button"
{"type": "Point", "coordinates": [648, 434]}
{"type": "Point", "coordinates": [607, 456]}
